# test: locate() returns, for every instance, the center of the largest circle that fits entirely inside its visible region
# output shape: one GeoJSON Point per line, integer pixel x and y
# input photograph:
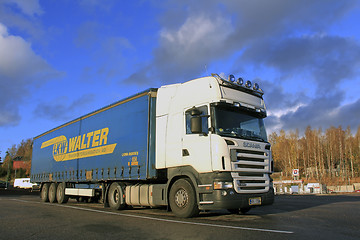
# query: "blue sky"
{"type": "Point", "coordinates": [62, 59]}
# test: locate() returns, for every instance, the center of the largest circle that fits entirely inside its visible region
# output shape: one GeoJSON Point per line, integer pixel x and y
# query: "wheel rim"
{"type": "Point", "coordinates": [181, 198]}
{"type": "Point", "coordinates": [59, 192]}
{"type": "Point", "coordinates": [116, 196]}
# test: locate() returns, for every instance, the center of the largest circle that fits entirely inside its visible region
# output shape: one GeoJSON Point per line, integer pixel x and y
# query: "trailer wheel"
{"type": "Point", "coordinates": [183, 199]}
{"type": "Point", "coordinates": [116, 196]}
{"type": "Point", "coordinates": [45, 192]}
{"type": "Point", "coordinates": [60, 193]}
{"type": "Point", "coordinates": [52, 192]}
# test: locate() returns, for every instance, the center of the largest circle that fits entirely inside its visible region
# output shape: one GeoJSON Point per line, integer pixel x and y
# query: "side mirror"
{"type": "Point", "coordinates": [196, 124]}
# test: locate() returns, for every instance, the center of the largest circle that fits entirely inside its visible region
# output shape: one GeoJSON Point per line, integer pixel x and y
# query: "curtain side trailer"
{"type": "Point", "coordinates": [200, 145]}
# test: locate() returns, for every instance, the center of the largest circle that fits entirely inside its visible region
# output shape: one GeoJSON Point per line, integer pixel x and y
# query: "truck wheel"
{"type": "Point", "coordinates": [116, 196]}
{"type": "Point", "coordinates": [183, 199]}
{"type": "Point", "coordinates": [45, 192]}
{"type": "Point", "coordinates": [52, 192]}
{"type": "Point", "coordinates": [60, 193]}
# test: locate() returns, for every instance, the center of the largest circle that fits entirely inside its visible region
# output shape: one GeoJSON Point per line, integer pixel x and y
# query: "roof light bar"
{"type": "Point", "coordinates": [231, 78]}
{"type": "Point", "coordinates": [240, 82]}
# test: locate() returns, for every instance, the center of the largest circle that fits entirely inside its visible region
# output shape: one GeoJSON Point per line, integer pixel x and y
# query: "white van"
{"type": "Point", "coordinates": [23, 183]}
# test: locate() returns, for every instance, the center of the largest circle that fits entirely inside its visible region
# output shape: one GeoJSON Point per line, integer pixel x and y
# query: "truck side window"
{"type": "Point", "coordinates": [204, 120]}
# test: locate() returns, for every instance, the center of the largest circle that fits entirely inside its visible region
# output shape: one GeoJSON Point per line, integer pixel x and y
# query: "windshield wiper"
{"type": "Point", "coordinates": [253, 138]}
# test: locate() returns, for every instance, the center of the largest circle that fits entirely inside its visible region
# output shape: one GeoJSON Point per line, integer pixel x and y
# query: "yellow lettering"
{"type": "Point", "coordinates": [133, 153]}
{"type": "Point", "coordinates": [96, 137]}
{"type": "Point", "coordinates": [89, 135]}
{"type": "Point", "coordinates": [103, 136]}
{"type": "Point", "coordinates": [78, 143]}
{"type": "Point", "coordinates": [83, 145]}
{"type": "Point", "coordinates": [59, 148]}
{"type": "Point", "coordinates": [55, 149]}
{"type": "Point", "coordinates": [72, 142]}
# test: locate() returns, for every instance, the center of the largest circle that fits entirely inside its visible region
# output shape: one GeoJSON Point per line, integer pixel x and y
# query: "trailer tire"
{"type": "Point", "coordinates": [45, 192]}
{"type": "Point", "coordinates": [52, 192]}
{"type": "Point", "coordinates": [60, 193]}
{"type": "Point", "coordinates": [116, 196]}
{"type": "Point", "coordinates": [182, 199]}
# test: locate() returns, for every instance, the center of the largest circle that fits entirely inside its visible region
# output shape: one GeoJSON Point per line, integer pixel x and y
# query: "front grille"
{"type": "Point", "coordinates": [250, 170]}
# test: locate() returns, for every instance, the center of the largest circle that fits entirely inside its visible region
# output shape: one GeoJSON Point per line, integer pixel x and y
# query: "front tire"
{"type": "Point", "coordinates": [52, 192]}
{"type": "Point", "coordinates": [182, 199]}
{"type": "Point", "coordinates": [116, 196]}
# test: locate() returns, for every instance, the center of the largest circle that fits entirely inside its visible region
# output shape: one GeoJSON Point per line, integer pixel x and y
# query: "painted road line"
{"type": "Point", "coordinates": [161, 219]}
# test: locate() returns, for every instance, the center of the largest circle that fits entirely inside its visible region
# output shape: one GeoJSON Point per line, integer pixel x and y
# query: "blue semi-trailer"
{"type": "Point", "coordinates": [199, 145]}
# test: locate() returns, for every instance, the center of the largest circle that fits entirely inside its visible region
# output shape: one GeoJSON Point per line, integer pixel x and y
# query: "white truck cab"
{"type": "Point", "coordinates": [212, 131]}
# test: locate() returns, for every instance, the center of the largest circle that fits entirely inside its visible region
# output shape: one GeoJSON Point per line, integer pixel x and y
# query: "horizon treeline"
{"type": "Point", "coordinates": [334, 153]}
{"type": "Point", "coordinates": [20, 152]}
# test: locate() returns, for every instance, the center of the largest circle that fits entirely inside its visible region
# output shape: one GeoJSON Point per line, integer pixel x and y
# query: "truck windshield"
{"type": "Point", "coordinates": [234, 122]}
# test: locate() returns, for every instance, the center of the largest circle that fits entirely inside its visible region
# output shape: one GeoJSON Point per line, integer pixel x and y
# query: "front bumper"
{"type": "Point", "coordinates": [216, 199]}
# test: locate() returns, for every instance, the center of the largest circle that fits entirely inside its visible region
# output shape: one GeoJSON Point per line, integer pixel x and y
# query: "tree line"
{"type": "Point", "coordinates": [334, 153]}
{"type": "Point", "coordinates": [21, 152]}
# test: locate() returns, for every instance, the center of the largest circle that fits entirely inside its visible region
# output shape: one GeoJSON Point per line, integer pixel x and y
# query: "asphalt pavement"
{"type": "Point", "coordinates": [24, 216]}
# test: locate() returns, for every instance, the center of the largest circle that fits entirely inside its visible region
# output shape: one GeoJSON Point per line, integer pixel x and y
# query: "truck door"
{"type": "Point", "coordinates": [196, 150]}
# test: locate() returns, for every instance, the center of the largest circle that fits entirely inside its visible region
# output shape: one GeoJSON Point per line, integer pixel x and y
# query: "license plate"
{"type": "Point", "coordinates": [255, 201]}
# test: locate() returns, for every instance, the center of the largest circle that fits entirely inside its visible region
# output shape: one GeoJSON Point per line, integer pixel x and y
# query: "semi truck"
{"type": "Point", "coordinates": [190, 147]}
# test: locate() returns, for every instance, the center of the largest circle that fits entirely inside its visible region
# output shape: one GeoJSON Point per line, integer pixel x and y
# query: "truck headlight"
{"type": "Point", "coordinates": [223, 185]}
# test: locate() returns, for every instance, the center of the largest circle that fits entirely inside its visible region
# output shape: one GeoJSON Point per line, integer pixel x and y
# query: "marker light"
{"type": "Point", "coordinates": [231, 78]}
{"type": "Point", "coordinates": [248, 84]}
{"type": "Point", "coordinates": [223, 185]}
{"type": "Point", "coordinates": [240, 81]}
{"type": "Point", "coordinates": [256, 86]}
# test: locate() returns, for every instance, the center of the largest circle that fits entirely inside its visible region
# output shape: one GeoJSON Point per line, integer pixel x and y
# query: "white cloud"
{"type": "Point", "coordinates": [284, 111]}
{"type": "Point", "coordinates": [186, 50]}
{"type": "Point", "coordinates": [198, 30]}
{"type": "Point", "coordinates": [198, 35]}
{"type": "Point", "coordinates": [28, 7]}
{"type": "Point", "coordinates": [20, 68]}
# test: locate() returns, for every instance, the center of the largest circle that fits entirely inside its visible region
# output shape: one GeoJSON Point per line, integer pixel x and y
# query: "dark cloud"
{"type": "Point", "coordinates": [60, 110]}
{"type": "Point", "coordinates": [320, 112]}
{"type": "Point", "coordinates": [204, 32]}
{"type": "Point", "coordinates": [288, 37]}
{"type": "Point", "coordinates": [328, 60]}
{"type": "Point", "coordinates": [277, 99]}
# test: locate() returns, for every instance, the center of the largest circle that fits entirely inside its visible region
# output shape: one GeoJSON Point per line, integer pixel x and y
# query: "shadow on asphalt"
{"type": "Point", "coordinates": [17, 192]}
